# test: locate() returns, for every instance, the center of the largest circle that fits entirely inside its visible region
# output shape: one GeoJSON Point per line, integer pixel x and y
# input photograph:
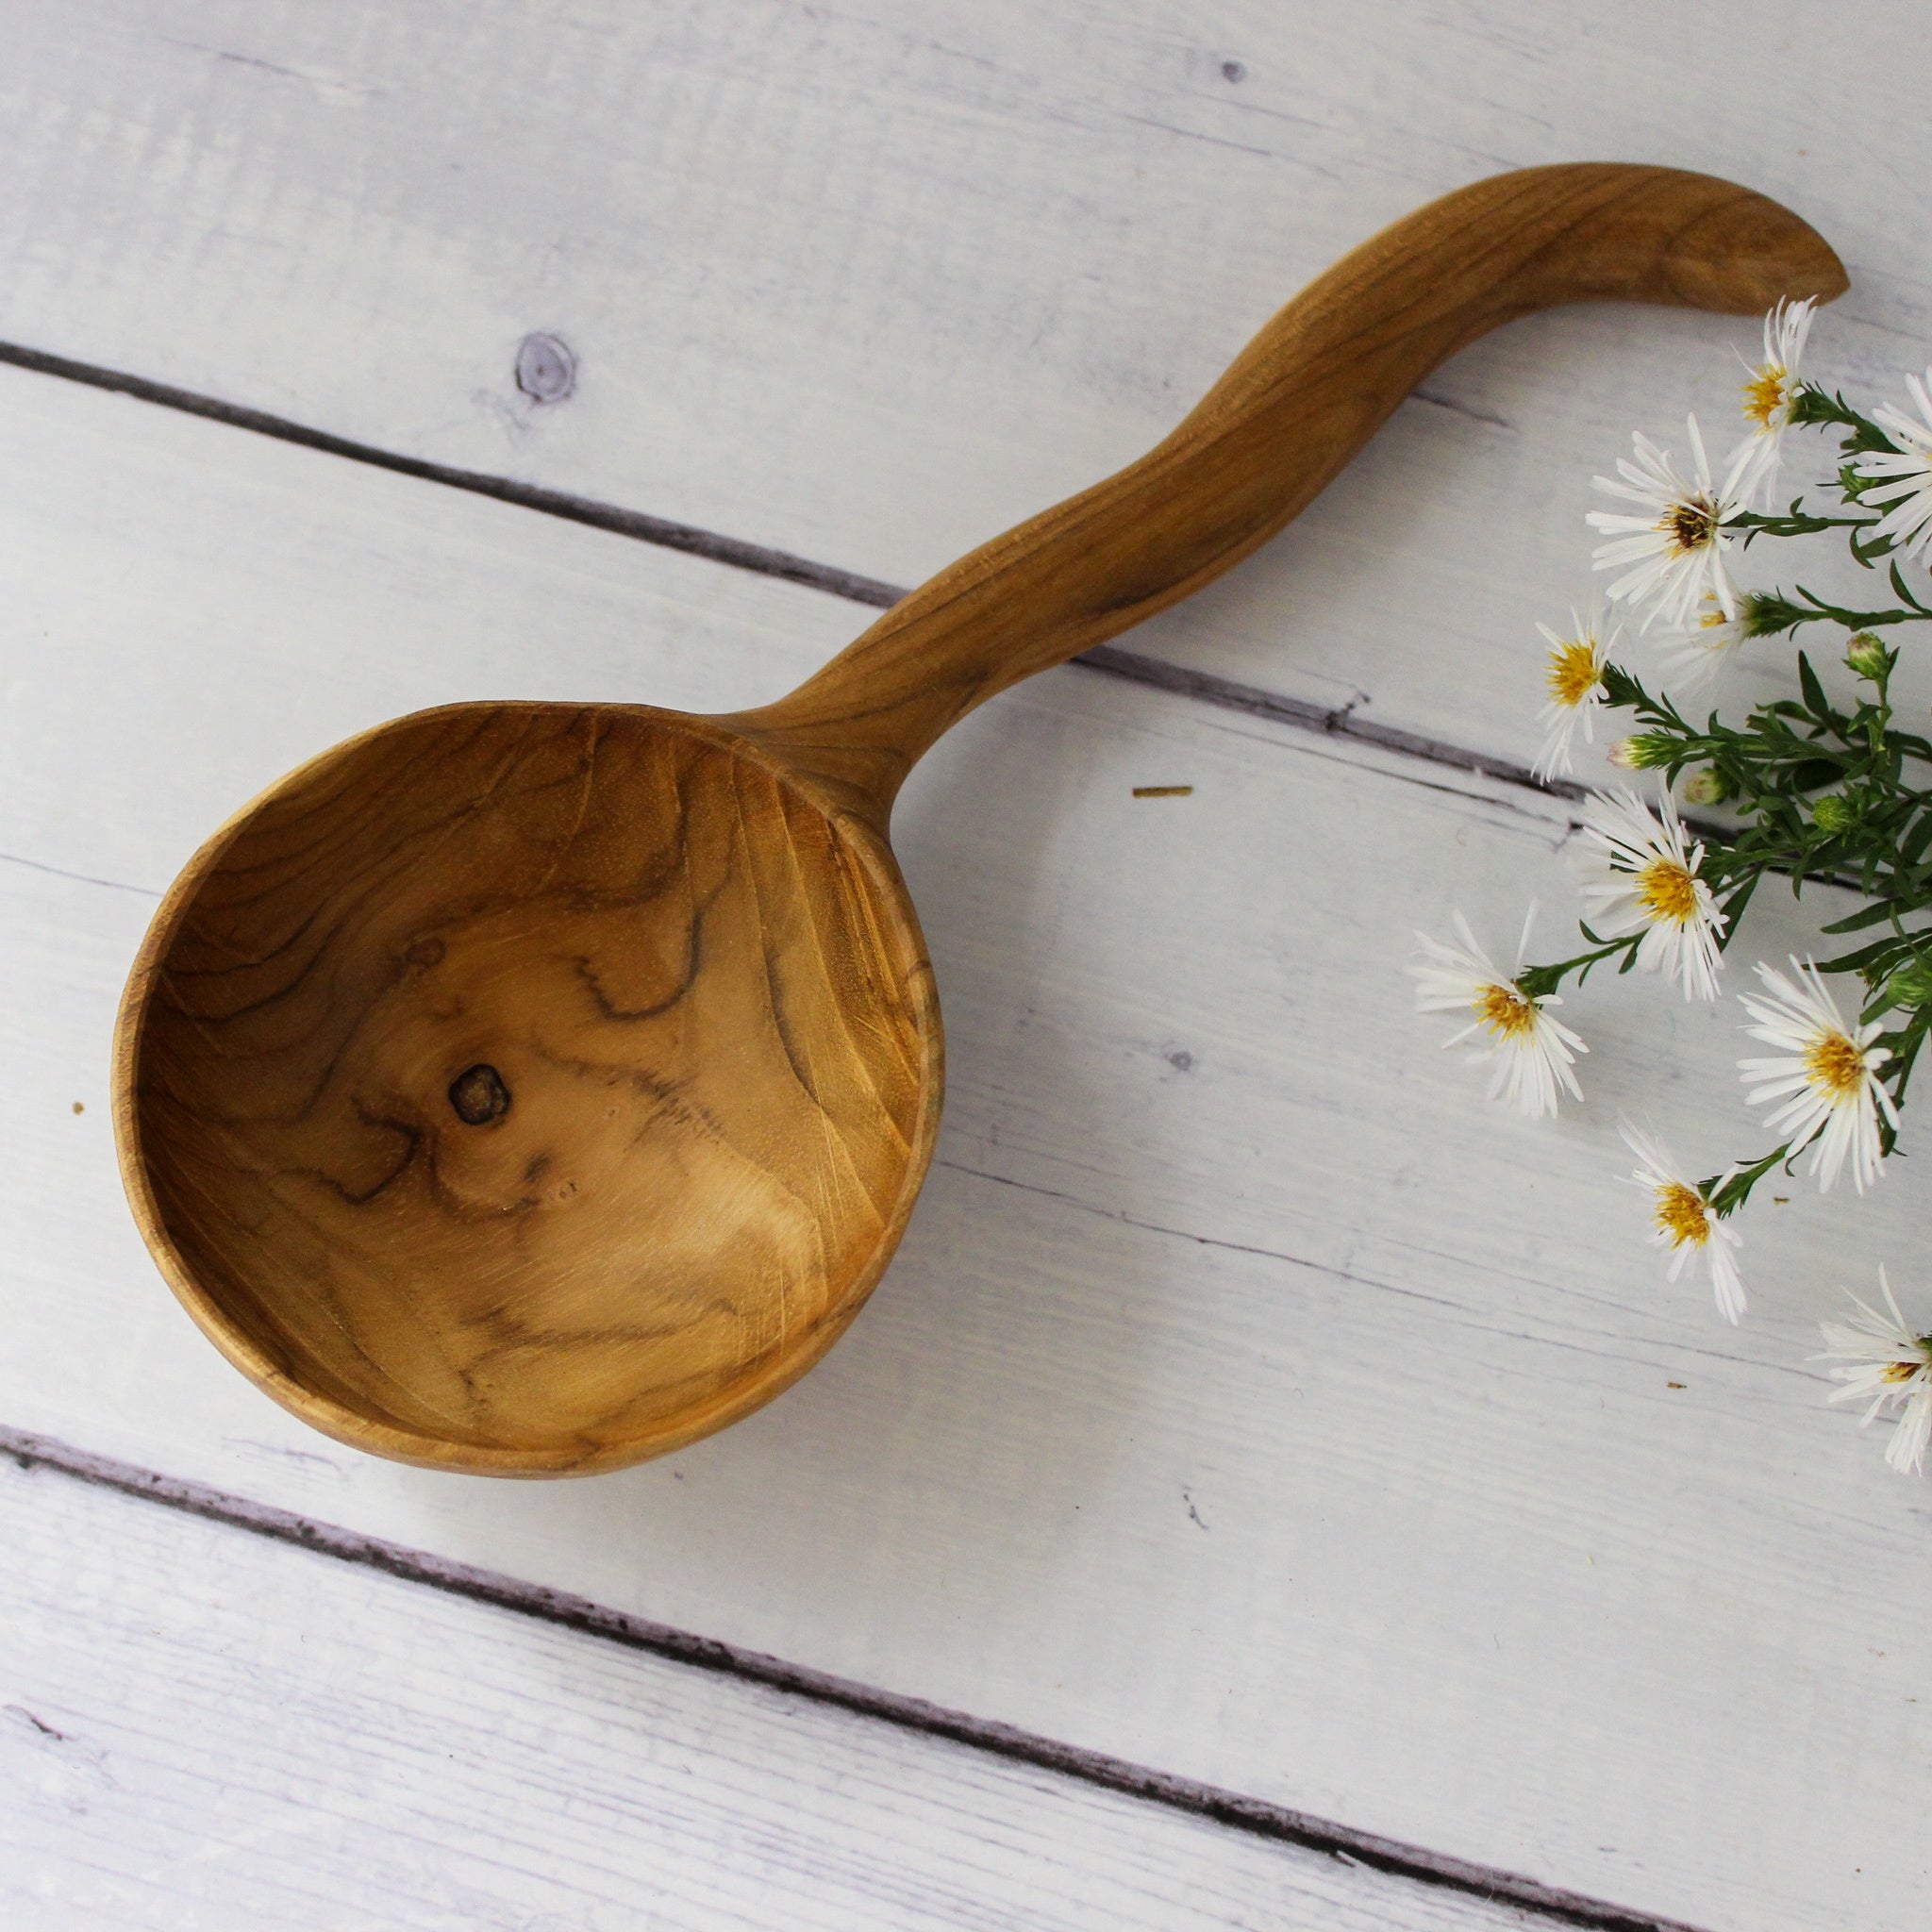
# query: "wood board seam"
{"type": "Point", "coordinates": [666, 532]}
{"type": "Point", "coordinates": [80, 878]}
{"type": "Point", "coordinates": [1255, 1816]}
{"type": "Point", "coordinates": [761, 560]}
{"type": "Point", "coordinates": [1338, 720]}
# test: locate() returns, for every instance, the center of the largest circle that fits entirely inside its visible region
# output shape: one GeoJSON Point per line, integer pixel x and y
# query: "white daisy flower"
{"type": "Point", "coordinates": [1824, 1081]}
{"type": "Point", "coordinates": [1770, 394]}
{"type": "Point", "coordinates": [1684, 1220]}
{"type": "Point", "coordinates": [1573, 676]}
{"type": "Point", "coordinates": [1532, 1051]}
{"type": "Point", "coordinates": [1676, 550]}
{"type": "Point", "coordinates": [1649, 884]}
{"type": "Point", "coordinates": [1887, 1361]}
{"type": "Point", "coordinates": [1906, 471]}
{"type": "Point", "coordinates": [1695, 654]}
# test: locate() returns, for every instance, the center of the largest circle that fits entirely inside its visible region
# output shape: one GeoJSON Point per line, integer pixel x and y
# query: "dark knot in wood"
{"type": "Point", "coordinates": [546, 368]}
{"type": "Point", "coordinates": [478, 1095]}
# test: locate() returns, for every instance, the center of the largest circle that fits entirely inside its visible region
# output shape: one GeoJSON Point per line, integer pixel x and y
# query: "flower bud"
{"type": "Point", "coordinates": [1912, 985]}
{"type": "Point", "coordinates": [1642, 752]}
{"type": "Point", "coordinates": [1706, 788]}
{"type": "Point", "coordinates": [1867, 656]}
{"type": "Point", "coordinates": [1837, 811]}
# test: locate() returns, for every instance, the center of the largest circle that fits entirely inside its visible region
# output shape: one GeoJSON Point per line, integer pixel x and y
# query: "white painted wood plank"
{"type": "Point", "coordinates": [199, 1728]}
{"type": "Point", "coordinates": [870, 285]}
{"type": "Point", "coordinates": [1245, 1401]}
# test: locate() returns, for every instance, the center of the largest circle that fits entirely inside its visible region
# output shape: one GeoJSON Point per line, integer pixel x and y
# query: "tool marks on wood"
{"type": "Point", "coordinates": [532, 1083]}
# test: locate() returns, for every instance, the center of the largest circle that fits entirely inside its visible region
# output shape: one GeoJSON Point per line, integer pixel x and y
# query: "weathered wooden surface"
{"type": "Point", "coordinates": [871, 285]}
{"type": "Point", "coordinates": [1245, 1401]}
{"type": "Point", "coordinates": [198, 1727]}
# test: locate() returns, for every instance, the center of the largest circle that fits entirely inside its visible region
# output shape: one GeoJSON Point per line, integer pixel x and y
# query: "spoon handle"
{"type": "Point", "coordinates": [1310, 389]}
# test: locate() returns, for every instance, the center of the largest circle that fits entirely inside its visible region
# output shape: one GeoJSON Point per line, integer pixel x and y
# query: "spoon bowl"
{"type": "Point", "coordinates": [531, 1088]}
{"type": "Point", "coordinates": [545, 1083]}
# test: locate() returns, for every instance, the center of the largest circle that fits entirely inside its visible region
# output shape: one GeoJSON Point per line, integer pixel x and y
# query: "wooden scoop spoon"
{"type": "Point", "coordinates": [529, 1088]}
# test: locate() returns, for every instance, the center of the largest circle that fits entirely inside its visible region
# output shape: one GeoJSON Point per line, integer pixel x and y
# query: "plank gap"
{"type": "Point", "coordinates": [662, 531]}
{"type": "Point", "coordinates": [1203, 686]}
{"type": "Point", "coordinates": [1231, 1808]}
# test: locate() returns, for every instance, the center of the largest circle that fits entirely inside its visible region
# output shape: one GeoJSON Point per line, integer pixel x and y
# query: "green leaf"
{"type": "Point", "coordinates": [1880, 953]}
{"type": "Point", "coordinates": [1813, 775]}
{"type": "Point", "coordinates": [1857, 922]}
{"type": "Point", "coordinates": [1816, 702]}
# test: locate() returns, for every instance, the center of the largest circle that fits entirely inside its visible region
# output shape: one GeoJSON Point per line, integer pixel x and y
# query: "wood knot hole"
{"type": "Point", "coordinates": [546, 368]}
{"type": "Point", "coordinates": [478, 1095]}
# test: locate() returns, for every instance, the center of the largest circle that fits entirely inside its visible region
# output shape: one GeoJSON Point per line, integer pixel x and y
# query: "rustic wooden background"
{"type": "Point", "coordinates": [1269, 1489]}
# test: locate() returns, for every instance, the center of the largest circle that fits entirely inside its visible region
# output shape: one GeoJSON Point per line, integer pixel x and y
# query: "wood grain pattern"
{"type": "Point", "coordinates": [677, 960]}
{"type": "Point", "coordinates": [704, 1038]}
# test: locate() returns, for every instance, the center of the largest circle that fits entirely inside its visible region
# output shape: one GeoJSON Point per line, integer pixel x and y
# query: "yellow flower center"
{"type": "Point", "coordinates": [1505, 1011]}
{"type": "Point", "coordinates": [1713, 617]}
{"type": "Point", "coordinates": [1764, 394]}
{"type": "Point", "coordinates": [1899, 1371]}
{"type": "Point", "coordinates": [1689, 526]}
{"type": "Point", "coordinates": [1833, 1062]}
{"type": "Point", "coordinates": [1668, 892]}
{"type": "Point", "coordinates": [1682, 1214]}
{"type": "Point", "coordinates": [1573, 674]}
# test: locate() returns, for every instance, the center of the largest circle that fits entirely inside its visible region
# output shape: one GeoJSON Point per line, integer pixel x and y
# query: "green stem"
{"type": "Point", "coordinates": [1795, 522]}
{"type": "Point", "coordinates": [1539, 982]}
{"type": "Point", "coordinates": [1814, 409]}
{"type": "Point", "coordinates": [1769, 612]}
{"type": "Point", "coordinates": [1726, 1194]}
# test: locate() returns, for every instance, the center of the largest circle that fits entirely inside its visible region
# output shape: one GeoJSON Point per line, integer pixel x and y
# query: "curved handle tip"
{"type": "Point", "coordinates": [1751, 254]}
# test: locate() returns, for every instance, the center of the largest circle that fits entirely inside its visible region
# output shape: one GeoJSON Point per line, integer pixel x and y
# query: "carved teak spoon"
{"type": "Point", "coordinates": [533, 1088]}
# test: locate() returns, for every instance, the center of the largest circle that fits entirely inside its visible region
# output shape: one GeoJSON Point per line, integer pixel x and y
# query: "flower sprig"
{"type": "Point", "coordinates": [1813, 787]}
